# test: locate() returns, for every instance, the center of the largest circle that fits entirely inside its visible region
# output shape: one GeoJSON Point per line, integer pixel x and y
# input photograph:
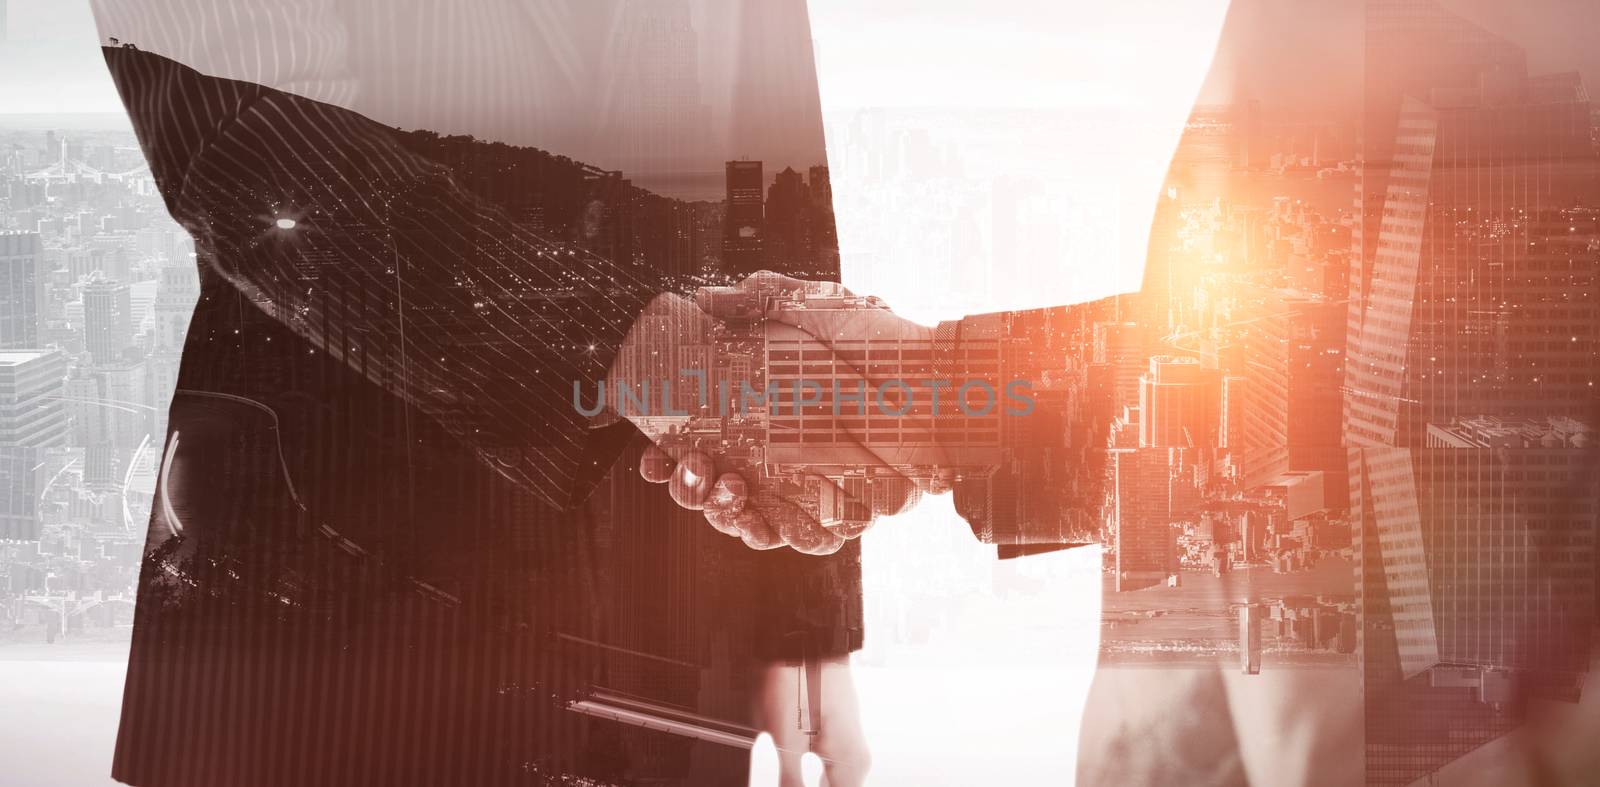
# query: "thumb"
{"type": "Point", "coordinates": [692, 481]}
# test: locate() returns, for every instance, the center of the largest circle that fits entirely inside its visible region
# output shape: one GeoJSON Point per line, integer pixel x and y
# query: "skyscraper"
{"type": "Point", "coordinates": [1250, 639]}
{"type": "Point", "coordinates": [31, 411]}
{"type": "Point", "coordinates": [33, 417]}
{"type": "Point", "coordinates": [821, 186]}
{"type": "Point", "coordinates": [176, 292]}
{"type": "Point", "coordinates": [1412, 47]}
{"type": "Point", "coordinates": [1144, 542]}
{"type": "Point", "coordinates": [1173, 404]}
{"type": "Point", "coordinates": [1120, 348]}
{"type": "Point", "coordinates": [1231, 426]}
{"type": "Point", "coordinates": [107, 319]}
{"type": "Point", "coordinates": [824, 231]}
{"type": "Point", "coordinates": [788, 237]}
{"type": "Point", "coordinates": [1472, 302]}
{"type": "Point", "coordinates": [745, 221]}
{"type": "Point", "coordinates": [21, 289]}
{"type": "Point", "coordinates": [1293, 357]}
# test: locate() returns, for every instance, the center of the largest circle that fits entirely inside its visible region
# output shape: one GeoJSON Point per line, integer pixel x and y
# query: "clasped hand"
{"type": "Point", "coordinates": [758, 398]}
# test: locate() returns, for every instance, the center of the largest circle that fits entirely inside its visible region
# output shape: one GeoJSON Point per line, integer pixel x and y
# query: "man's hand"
{"type": "Point", "coordinates": [741, 392]}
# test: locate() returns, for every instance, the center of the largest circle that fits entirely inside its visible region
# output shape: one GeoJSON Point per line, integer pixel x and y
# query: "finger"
{"type": "Point", "coordinates": [799, 529]}
{"type": "Point", "coordinates": [849, 530]}
{"type": "Point", "coordinates": [804, 535]}
{"type": "Point", "coordinates": [756, 532]}
{"type": "Point", "coordinates": [724, 523]}
{"type": "Point", "coordinates": [692, 481]}
{"type": "Point", "coordinates": [729, 509]}
{"type": "Point", "coordinates": [725, 504]}
{"type": "Point", "coordinates": [655, 465]}
{"type": "Point", "coordinates": [728, 494]}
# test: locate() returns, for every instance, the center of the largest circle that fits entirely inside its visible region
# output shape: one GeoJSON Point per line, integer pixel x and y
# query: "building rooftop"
{"type": "Point", "coordinates": [19, 357]}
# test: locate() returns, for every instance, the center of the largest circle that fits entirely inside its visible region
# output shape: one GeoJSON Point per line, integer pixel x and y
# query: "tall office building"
{"type": "Point", "coordinates": [1145, 544]}
{"type": "Point", "coordinates": [745, 219]}
{"type": "Point", "coordinates": [824, 230]}
{"type": "Point", "coordinates": [1473, 303]}
{"type": "Point", "coordinates": [1250, 616]}
{"type": "Point", "coordinates": [31, 409]}
{"type": "Point", "coordinates": [176, 292]}
{"type": "Point", "coordinates": [1175, 404]}
{"type": "Point", "coordinates": [21, 289]}
{"type": "Point", "coordinates": [107, 319]}
{"type": "Point", "coordinates": [1289, 421]}
{"type": "Point", "coordinates": [1411, 48]}
{"type": "Point", "coordinates": [1120, 349]}
{"type": "Point", "coordinates": [127, 390]}
{"type": "Point", "coordinates": [86, 410]}
{"type": "Point", "coordinates": [33, 417]}
{"type": "Point", "coordinates": [788, 237]}
{"type": "Point", "coordinates": [1231, 413]}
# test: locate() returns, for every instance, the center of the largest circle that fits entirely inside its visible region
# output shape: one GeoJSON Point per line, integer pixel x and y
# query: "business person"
{"type": "Point", "coordinates": [388, 548]}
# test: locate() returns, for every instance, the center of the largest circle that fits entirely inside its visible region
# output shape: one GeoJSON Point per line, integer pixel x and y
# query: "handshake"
{"type": "Point", "coordinates": [794, 413]}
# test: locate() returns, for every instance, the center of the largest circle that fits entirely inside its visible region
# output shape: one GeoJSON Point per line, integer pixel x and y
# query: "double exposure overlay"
{"type": "Point", "coordinates": [521, 430]}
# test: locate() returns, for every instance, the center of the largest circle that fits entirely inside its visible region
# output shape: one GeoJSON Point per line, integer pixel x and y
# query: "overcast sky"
{"type": "Point", "coordinates": [50, 60]}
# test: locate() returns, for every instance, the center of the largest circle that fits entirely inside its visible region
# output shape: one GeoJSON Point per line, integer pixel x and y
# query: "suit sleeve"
{"type": "Point", "coordinates": [381, 258]}
{"type": "Point", "coordinates": [1047, 487]}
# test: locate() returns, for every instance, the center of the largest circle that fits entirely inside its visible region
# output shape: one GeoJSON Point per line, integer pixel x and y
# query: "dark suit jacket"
{"type": "Point", "coordinates": [387, 550]}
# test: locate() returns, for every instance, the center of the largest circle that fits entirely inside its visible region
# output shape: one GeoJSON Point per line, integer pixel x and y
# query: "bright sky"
{"type": "Point", "coordinates": [50, 60]}
{"type": "Point", "coordinates": [1106, 88]}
